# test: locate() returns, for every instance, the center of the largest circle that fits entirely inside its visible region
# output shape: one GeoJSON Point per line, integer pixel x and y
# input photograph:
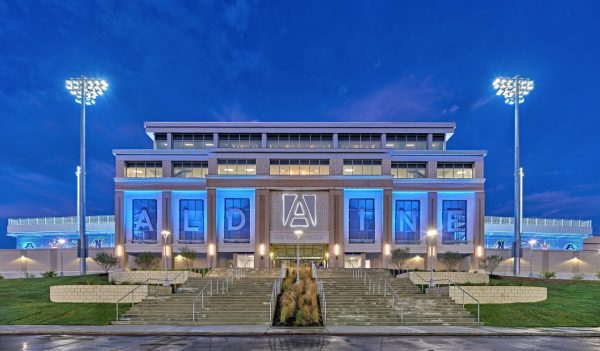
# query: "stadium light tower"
{"type": "Point", "coordinates": [514, 91]}
{"type": "Point", "coordinates": [85, 90]}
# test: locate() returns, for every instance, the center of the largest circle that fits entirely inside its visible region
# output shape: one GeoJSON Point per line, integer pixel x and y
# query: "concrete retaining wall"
{"type": "Point", "coordinates": [456, 277]}
{"type": "Point", "coordinates": [139, 277]}
{"type": "Point", "coordinates": [96, 293]}
{"type": "Point", "coordinates": [498, 294]}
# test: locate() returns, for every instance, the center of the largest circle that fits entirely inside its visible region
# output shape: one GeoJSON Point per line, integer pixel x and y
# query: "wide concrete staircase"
{"type": "Point", "coordinates": [246, 302]}
{"type": "Point", "coordinates": [349, 302]}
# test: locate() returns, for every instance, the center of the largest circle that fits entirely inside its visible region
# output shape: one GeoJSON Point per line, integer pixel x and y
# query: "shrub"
{"type": "Point", "coordinates": [49, 274]}
{"type": "Point", "coordinates": [106, 261]}
{"type": "Point", "coordinates": [29, 275]}
{"type": "Point", "coordinates": [577, 276]}
{"type": "Point", "coordinates": [146, 260]}
{"type": "Point", "coordinates": [490, 263]}
{"type": "Point", "coordinates": [548, 275]}
{"type": "Point", "coordinates": [451, 259]}
{"type": "Point", "coordinates": [598, 275]}
{"type": "Point", "coordinates": [1, 276]}
{"type": "Point", "coordinates": [400, 257]}
{"type": "Point", "coordinates": [189, 255]}
{"type": "Point", "coordinates": [288, 305]}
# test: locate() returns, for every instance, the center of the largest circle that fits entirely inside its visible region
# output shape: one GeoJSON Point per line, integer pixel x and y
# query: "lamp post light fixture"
{"type": "Point", "coordinates": [431, 234]}
{"type": "Point", "coordinates": [514, 91]}
{"type": "Point", "coordinates": [61, 243]}
{"type": "Point", "coordinates": [85, 90]}
{"type": "Point", "coordinates": [165, 234]}
{"type": "Point", "coordinates": [298, 233]}
{"type": "Point", "coordinates": [532, 243]}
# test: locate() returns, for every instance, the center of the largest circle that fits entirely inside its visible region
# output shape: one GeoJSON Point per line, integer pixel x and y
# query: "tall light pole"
{"type": "Point", "coordinates": [165, 234]}
{"type": "Point", "coordinates": [298, 233]}
{"type": "Point", "coordinates": [61, 242]}
{"type": "Point", "coordinates": [431, 234]}
{"type": "Point", "coordinates": [85, 90]}
{"type": "Point", "coordinates": [514, 91]}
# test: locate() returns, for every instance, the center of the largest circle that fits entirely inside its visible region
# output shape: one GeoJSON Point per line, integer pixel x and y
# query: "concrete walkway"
{"type": "Point", "coordinates": [262, 330]}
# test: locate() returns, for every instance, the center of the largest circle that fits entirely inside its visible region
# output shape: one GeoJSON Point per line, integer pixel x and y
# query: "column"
{"type": "Point", "coordinates": [211, 235]}
{"type": "Point", "coordinates": [262, 229]}
{"type": "Point", "coordinates": [336, 228]}
{"type": "Point", "coordinates": [432, 217]}
{"type": "Point", "coordinates": [167, 250]}
{"type": "Point", "coordinates": [479, 232]}
{"type": "Point", "coordinates": [386, 240]}
{"type": "Point", "coordinates": [120, 239]}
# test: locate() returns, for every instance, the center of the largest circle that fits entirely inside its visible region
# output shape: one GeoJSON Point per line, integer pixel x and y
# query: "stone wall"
{"type": "Point", "coordinates": [138, 277]}
{"type": "Point", "coordinates": [96, 293]}
{"type": "Point", "coordinates": [498, 294]}
{"type": "Point", "coordinates": [456, 277]}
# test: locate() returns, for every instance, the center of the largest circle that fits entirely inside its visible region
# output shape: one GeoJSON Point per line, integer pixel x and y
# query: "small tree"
{"type": "Point", "coordinates": [189, 255]}
{"type": "Point", "coordinates": [146, 260]}
{"type": "Point", "coordinates": [400, 256]}
{"type": "Point", "coordinates": [451, 259]}
{"type": "Point", "coordinates": [106, 261]}
{"type": "Point", "coordinates": [490, 263]}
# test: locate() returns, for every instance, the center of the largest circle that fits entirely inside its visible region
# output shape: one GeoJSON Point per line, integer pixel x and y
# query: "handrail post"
{"type": "Point", "coordinates": [193, 311]}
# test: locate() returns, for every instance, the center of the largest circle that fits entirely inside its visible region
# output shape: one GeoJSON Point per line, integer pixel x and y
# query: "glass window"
{"type": "Point", "coordinates": [244, 140]}
{"type": "Point", "coordinates": [191, 221]}
{"type": "Point", "coordinates": [361, 217]}
{"type": "Point", "coordinates": [299, 167]}
{"type": "Point", "coordinates": [143, 169]}
{"type": "Point", "coordinates": [406, 141]}
{"type": "Point", "coordinates": [409, 169]}
{"type": "Point", "coordinates": [454, 170]}
{"type": "Point", "coordinates": [237, 220]}
{"type": "Point", "coordinates": [160, 140]}
{"type": "Point", "coordinates": [190, 169]}
{"type": "Point", "coordinates": [439, 142]}
{"type": "Point", "coordinates": [362, 167]}
{"type": "Point", "coordinates": [236, 167]}
{"type": "Point", "coordinates": [407, 226]}
{"type": "Point", "coordinates": [359, 141]}
{"type": "Point", "coordinates": [144, 215]}
{"type": "Point", "coordinates": [454, 221]}
{"type": "Point", "coordinates": [193, 141]}
{"type": "Point", "coordinates": [299, 141]}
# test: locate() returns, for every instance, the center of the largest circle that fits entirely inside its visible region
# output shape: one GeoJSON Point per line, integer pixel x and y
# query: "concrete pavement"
{"type": "Point", "coordinates": [263, 330]}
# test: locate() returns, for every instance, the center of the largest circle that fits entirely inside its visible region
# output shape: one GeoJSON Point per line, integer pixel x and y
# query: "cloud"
{"type": "Point", "coordinates": [562, 204]}
{"type": "Point", "coordinates": [407, 98]}
{"type": "Point", "coordinates": [482, 101]}
{"type": "Point", "coordinates": [231, 113]}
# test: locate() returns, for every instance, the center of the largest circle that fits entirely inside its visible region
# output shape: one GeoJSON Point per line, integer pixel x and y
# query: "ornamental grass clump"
{"type": "Point", "coordinates": [299, 303]}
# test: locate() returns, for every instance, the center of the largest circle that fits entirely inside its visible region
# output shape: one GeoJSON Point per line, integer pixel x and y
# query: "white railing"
{"type": "Point", "coordinates": [273, 300]}
{"type": "Point", "coordinates": [222, 288]}
{"type": "Point", "coordinates": [387, 289]}
{"type": "Point", "coordinates": [159, 282]}
{"type": "Point", "coordinates": [59, 220]}
{"type": "Point", "coordinates": [547, 222]}
{"type": "Point", "coordinates": [322, 299]}
{"type": "Point", "coordinates": [452, 284]}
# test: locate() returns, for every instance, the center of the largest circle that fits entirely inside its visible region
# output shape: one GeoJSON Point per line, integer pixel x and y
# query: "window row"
{"type": "Point", "coordinates": [190, 169]}
{"type": "Point", "coordinates": [454, 170]}
{"type": "Point", "coordinates": [409, 170]}
{"type": "Point", "coordinates": [300, 141]}
{"type": "Point", "coordinates": [236, 167]}
{"type": "Point", "coordinates": [299, 167]}
{"type": "Point", "coordinates": [143, 169]}
{"type": "Point", "coordinates": [362, 167]}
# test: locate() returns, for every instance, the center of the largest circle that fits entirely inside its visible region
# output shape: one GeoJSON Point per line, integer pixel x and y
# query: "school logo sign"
{"type": "Point", "coordinates": [299, 211]}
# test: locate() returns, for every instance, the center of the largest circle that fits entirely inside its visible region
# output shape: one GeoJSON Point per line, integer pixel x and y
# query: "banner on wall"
{"type": "Point", "coordinates": [144, 212]}
{"type": "Point", "coordinates": [361, 217]}
{"type": "Point", "coordinates": [237, 220]}
{"type": "Point", "coordinates": [454, 221]}
{"type": "Point", "coordinates": [191, 220]}
{"type": "Point", "coordinates": [407, 221]}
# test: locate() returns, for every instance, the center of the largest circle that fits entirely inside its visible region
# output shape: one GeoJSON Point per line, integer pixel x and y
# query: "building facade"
{"type": "Point", "coordinates": [245, 194]}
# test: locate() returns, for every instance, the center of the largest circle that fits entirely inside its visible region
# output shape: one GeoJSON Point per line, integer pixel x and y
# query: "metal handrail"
{"type": "Point", "coordinates": [223, 284]}
{"type": "Point", "coordinates": [240, 271]}
{"type": "Point", "coordinates": [423, 279]}
{"type": "Point", "coordinates": [273, 300]}
{"type": "Point", "coordinates": [455, 285]}
{"type": "Point", "coordinates": [322, 299]}
{"type": "Point", "coordinates": [132, 293]}
{"type": "Point", "coordinates": [395, 299]}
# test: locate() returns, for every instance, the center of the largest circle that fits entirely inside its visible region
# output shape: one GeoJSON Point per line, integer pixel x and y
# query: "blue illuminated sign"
{"type": "Point", "coordinates": [144, 212]}
{"type": "Point", "coordinates": [237, 220]}
{"type": "Point", "coordinates": [191, 220]}
{"type": "Point", "coordinates": [454, 221]}
{"type": "Point", "coordinates": [407, 223]}
{"type": "Point", "coordinates": [361, 216]}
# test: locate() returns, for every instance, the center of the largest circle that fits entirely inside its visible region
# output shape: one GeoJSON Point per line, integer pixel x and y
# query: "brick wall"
{"type": "Point", "coordinates": [498, 294]}
{"type": "Point", "coordinates": [138, 277]}
{"type": "Point", "coordinates": [456, 277]}
{"type": "Point", "coordinates": [96, 293]}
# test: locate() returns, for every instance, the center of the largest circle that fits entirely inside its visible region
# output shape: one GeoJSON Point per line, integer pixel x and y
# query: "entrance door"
{"type": "Point", "coordinates": [245, 261]}
{"type": "Point", "coordinates": [286, 255]}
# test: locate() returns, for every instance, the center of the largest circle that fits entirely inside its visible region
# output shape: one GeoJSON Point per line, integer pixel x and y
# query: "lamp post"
{"type": "Point", "coordinates": [85, 90]}
{"type": "Point", "coordinates": [431, 234]}
{"type": "Point", "coordinates": [165, 234]}
{"type": "Point", "coordinates": [61, 242]}
{"type": "Point", "coordinates": [514, 91]}
{"type": "Point", "coordinates": [298, 233]}
{"type": "Point", "coordinates": [532, 243]}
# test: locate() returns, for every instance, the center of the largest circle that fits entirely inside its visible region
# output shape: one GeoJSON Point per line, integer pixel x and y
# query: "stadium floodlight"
{"type": "Point", "coordinates": [85, 90]}
{"type": "Point", "coordinates": [514, 91]}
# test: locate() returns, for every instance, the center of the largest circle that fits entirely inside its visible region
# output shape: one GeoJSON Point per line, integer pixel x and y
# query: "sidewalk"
{"type": "Point", "coordinates": [264, 330]}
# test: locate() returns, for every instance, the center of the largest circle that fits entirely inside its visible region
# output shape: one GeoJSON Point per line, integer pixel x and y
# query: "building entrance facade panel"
{"type": "Point", "coordinates": [299, 210]}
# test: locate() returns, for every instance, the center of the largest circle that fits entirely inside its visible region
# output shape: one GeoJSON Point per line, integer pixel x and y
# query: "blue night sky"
{"type": "Point", "coordinates": [299, 61]}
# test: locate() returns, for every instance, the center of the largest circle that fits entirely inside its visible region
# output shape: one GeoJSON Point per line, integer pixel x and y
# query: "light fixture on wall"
{"type": "Point", "coordinates": [479, 251]}
{"type": "Point", "coordinates": [336, 250]}
{"type": "Point", "coordinates": [261, 251]}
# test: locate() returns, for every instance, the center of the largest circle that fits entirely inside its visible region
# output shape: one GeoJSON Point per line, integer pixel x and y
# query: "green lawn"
{"type": "Point", "coordinates": [569, 304]}
{"type": "Point", "coordinates": [27, 301]}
